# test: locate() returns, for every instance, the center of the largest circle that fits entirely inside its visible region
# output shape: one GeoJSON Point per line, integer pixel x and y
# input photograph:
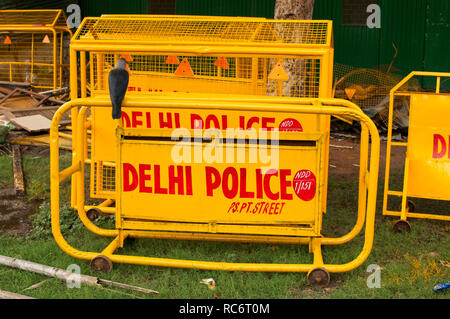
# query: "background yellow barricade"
{"type": "Point", "coordinates": [427, 163]}
{"type": "Point", "coordinates": [32, 47]}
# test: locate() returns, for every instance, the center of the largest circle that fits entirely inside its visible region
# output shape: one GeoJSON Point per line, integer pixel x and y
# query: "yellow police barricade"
{"type": "Point", "coordinates": [187, 55]}
{"type": "Point", "coordinates": [189, 182]}
{"type": "Point", "coordinates": [32, 48]}
{"type": "Point", "coordinates": [427, 162]}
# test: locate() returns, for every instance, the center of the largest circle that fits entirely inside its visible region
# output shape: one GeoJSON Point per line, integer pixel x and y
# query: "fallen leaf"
{"type": "Point", "coordinates": [445, 263]}
{"type": "Point", "coordinates": [209, 282]}
{"type": "Point", "coordinates": [216, 295]}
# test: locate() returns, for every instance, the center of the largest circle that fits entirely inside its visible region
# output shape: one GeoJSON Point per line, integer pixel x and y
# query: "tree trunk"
{"type": "Point", "coordinates": [294, 10]}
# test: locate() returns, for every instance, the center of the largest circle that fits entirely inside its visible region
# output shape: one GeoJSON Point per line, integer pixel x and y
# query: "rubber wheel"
{"type": "Point", "coordinates": [93, 213]}
{"type": "Point", "coordinates": [319, 277]}
{"type": "Point", "coordinates": [402, 226]}
{"type": "Point", "coordinates": [101, 263]}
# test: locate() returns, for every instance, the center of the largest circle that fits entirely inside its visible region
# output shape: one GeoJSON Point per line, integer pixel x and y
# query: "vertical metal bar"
{"type": "Point", "coordinates": [61, 58]}
{"type": "Point", "coordinates": [119, 131]}
{"type": "Point", "coordinates": [325, 87]}
{"type": "Point", "coordinates": [100, 66]}
{"type": "Point", "coordinates": [255, 74]}
{"type": "Point", "coordinates": [91, 72]}
{"type": "Point", "coordinates": [54, 58]}
{"type": "Point", "coordinates": [405, 189]}
{"type": "Point", "coordinates": [83, 73]}
{"type": "Point", "coordinates": [438, 84]}
{"type": "Point", "coordinates": [32, 58]}
{"type": "Point", "coordinates": [74, 117]}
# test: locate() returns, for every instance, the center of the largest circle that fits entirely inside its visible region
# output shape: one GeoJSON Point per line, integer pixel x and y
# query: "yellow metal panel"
{"type": "Point", "coordinates": [429, 146]}
{"type": "Point", "coordinates": [154, 187]}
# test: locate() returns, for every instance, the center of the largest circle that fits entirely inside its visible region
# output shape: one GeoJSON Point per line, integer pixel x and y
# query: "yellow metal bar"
{"type": "Point", "coordinates": [179, 48]}
{"type": "Point", "coordinates": [419, 215]}
{"type": "Point", "coordinates": [74, 114]}
{"type": "Point", "coordinates": [26, 63]}
{"type": "Point", "coordinates": [56, 18]}
{"type": "Point", "coordinates": [255, 74]}
{"type": "Point", "coordinates": [61, 59]}
{"type": "Point", "coordinates": [106, 210]}
{"type": "Point", "coordinates": [405, 190]}
{"type": "Point", "coordinates": [316, 249]}
{"type": "Point", "coordinates": [69, 171]}
{"type": "Point", "coordinates": [115, 244]}
{"type": "Point", "coordinates": [395, 193]}
{"type": "Point", "coordinates": [32, 58]}
{"type": "Point", "coordinates": [83, 73]}
{"type": "Point", "coordinates": [55, 39]}
{"type": "Point", "coordinates": [399, 144]}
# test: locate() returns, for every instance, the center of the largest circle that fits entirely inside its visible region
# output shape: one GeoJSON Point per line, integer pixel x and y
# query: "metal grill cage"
{"type": "Point", "coordinates": [204, 30]}
{"type": "Point", "coordinates": [32, 47]}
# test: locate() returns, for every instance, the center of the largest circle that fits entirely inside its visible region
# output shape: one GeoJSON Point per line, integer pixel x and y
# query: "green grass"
{"type": "Point", "coordinates": [410, 263]}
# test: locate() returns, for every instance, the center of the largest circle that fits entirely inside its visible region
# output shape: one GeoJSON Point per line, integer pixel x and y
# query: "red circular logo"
{"type": "Point", "coordinates": [305, 184]}
{"type": "Point", "coordinates": [290, 125]}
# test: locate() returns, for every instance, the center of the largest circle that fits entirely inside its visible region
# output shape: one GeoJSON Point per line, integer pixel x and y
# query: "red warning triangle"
{"type": "Point", "coordinates": [7, 40]}
{"type": "Point", "coordinates": [184, 69]}
{"type": "Point", "coordinates": [278, 72]}
{"type": "Point", "coordinates": [46, 39]}
{"type": "Point", "coordinates": [350, 92]}
{"type": "Point", "coordinates": [222, 62]}
{"type": "Point", "coordinates": [172, 59]}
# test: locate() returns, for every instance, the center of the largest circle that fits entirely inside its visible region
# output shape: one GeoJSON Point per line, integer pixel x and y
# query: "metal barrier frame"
{"type": "Point", "coordinates": [404, 212]}
{"type": "Point", "coordinates": [368, 180]}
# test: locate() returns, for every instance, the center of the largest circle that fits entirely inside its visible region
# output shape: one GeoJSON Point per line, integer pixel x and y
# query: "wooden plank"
{"type": "Point", "coordinates": [11, 93]}
{"type": "Point", "coordinates": [41, 109]}
{"type": "Point", "coordinates": [32, 123]}
{"type": "Point", "coordinates": [19, 185]}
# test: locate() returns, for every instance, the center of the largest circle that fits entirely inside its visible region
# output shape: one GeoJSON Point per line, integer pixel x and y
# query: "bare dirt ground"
{"type": "Point", "coordinates": [14, 213]}
{"type": "Point", "coordinates": [345, 156]}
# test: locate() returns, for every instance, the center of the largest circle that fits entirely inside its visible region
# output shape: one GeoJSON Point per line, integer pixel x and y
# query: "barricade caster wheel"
{"type": "Point", "coordinates": [319, 277]}
{"type": "Point", "coordinates": [93, 213]}
{"type": "Point", "coordinates": [101, 263]}
{"type": "Point", "coordinates": [402, 226]}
